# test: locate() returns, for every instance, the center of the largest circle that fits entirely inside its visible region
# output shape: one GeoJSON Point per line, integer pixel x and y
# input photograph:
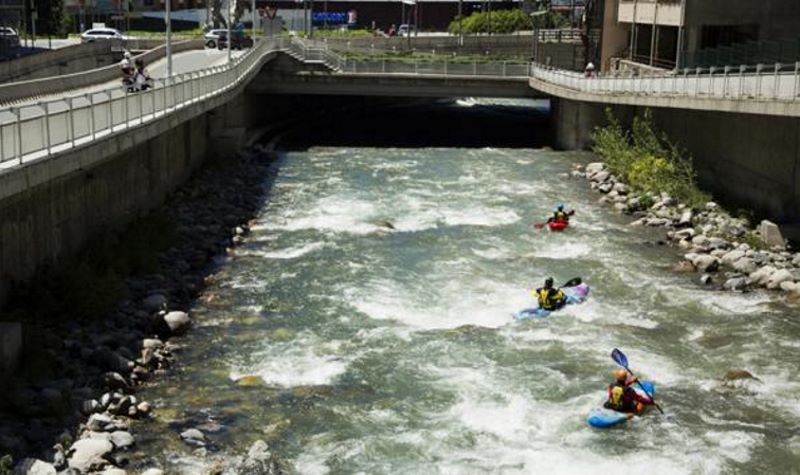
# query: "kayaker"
{"type": "Point", "coordinates": [622, 397]}
{"type": "Point", "coordinates": [561, 216]}
{"type": "Point", "coordinates": [550, 298]}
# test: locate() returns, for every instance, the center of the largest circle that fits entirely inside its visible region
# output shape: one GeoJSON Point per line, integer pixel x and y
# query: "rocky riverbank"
{"type": "Point", "coordinates": [723, 249]}
{"type": "Point", "coordinates": [78, 418]}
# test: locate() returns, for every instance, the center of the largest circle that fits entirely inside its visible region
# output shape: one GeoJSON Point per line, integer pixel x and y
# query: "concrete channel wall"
{"type": "Point", "coordinates": [747, 161]}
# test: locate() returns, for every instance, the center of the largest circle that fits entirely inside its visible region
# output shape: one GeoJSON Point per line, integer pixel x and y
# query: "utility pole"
{"type": "Point", "coordinates": [253, 11]}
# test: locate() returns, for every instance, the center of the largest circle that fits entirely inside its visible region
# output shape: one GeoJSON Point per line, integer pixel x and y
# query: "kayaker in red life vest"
{"type": "Point", "coordinates": [622, 397]}
{"type": "Point", "coordinates": [549, 297]}
{"type": "Point", "coordinates": [561, 216]}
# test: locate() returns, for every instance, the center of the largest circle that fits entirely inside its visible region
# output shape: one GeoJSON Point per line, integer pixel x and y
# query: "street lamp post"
{"type": "Point", "coordinates": [230, 39]}
{"type": "Point", "coordinates": [168, 21]}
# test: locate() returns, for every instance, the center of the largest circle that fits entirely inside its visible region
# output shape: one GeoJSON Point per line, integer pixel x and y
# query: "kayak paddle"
{"type": "Point", "coordinates": [622, 360]}
{"type": "Point", "coordinates": [575, 281]}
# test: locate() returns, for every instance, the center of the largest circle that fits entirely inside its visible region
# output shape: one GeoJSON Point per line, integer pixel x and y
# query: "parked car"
{"type": "Point", "coordinates": [9, 36]}
{"type": "Point", "coordinates": [95, 34]}
{"type": "Point", "coordinates": [212, 37]}
{"type": "Point", "coordinates": [240, 40]}
{"type": "Point", "coordinates": [405, 30]}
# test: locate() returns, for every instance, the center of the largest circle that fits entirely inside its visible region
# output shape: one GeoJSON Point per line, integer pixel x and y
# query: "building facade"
{"type": "Point", "coordinates": [676, 33]}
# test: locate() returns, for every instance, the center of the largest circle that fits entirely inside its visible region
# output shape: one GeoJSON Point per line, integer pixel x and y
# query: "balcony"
{"type": "Point", "coordinates": [660, 12]}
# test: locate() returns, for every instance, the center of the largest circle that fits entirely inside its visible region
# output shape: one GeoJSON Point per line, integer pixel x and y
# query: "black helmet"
{"type": "Point", "coordinates": [548, 282]}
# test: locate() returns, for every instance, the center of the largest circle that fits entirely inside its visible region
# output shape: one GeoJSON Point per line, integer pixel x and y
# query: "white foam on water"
{"type": "Point", "coordinates": [452, 307]}
{"type": "Point", "coordinates": [292, 252]}
{"type": "Point", "coordinates": [563, 250]}
{"type": "Point", "coordinates": [733, 445]}
{"type": "Point", "coordinates": [302, 361]}
{"type": "Point", "coordinates": [332, 214]}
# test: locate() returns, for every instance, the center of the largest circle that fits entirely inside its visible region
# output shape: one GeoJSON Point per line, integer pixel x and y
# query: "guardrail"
{"type": "Point", "coordinates": [776, 83]}
{"type": "Point", "coordinates": [20, 90]}
{"type": "Point", "coordinates": [35, 131]}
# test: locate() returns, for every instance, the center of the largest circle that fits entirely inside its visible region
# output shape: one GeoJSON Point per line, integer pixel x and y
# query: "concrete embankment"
{"type": "Point", "coordinates": [747, 161]}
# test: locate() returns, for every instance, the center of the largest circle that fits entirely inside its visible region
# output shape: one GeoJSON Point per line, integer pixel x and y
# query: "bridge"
{"type": "Point", "coordinates": [72, 160]}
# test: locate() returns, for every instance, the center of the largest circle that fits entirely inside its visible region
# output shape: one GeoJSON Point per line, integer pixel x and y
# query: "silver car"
{"type": "Point", "coordinates": [95, 34]}
{"type": "Point", "coordinates": [212, 37]}
{"type": "Point", "coordinates": [9, 36]}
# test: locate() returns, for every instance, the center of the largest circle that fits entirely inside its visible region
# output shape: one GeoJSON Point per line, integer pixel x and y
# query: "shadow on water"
{"type": "Point", "coordinates": [464, 123]}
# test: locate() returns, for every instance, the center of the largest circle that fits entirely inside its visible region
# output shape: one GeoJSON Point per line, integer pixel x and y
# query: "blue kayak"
{"type": "Point", "coordinates": [575, 295]}
{"type": "Point", "coordinates": [603, 418]}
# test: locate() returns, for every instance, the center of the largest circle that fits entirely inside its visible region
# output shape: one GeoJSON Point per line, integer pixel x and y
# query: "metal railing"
{"type": "Point", "coordinates": [45, 128]}
{"type": "Point", "coordinates": [778, 82]}
{"type": "Point", "coordinates": [320, 52]}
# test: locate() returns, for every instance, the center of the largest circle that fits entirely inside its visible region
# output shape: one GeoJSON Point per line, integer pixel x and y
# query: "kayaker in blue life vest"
{"type": "Point", "coordinates": [622, 397]}
{"type": "Point", "coordinates": [561, 216]}
{"type": "Point", "coordinates": [550, 298]}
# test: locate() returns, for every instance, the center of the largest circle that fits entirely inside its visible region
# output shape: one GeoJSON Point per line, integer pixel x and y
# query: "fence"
{"type": "Point", "coordinates": [761, 82]}
{"type": "Point", "coordinates": [35, 131]}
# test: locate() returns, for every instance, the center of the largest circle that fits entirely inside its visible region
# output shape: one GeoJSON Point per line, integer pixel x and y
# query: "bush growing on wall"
{"type": "Point", "coordinates": [500, 21]}
{"type": "Point", "coordinates": [648, 161]}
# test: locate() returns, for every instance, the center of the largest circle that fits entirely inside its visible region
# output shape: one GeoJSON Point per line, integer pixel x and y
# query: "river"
{"type": "Point", "coordinates": [393, 351]}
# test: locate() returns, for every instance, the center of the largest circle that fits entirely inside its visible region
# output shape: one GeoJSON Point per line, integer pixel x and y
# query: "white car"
{"type": "Point", "coordinates": [95, 34]}
{"type": "Point", "coordinates": [9, 35]}
{"type": "Point", "coordinates": [212, 37]}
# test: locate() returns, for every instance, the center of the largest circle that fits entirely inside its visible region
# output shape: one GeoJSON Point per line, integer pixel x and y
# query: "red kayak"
{"type": "Point", "coordinates": [557, 225]}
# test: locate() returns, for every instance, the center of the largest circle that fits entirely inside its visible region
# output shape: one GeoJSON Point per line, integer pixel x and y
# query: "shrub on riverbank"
{"type": "Point", "coordinates": [646, 160]}
{"type": "Point", "coordinates": [500, 21]}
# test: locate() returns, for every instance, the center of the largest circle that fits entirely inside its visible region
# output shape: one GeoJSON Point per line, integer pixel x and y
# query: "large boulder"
{"type": "Point", "coordinates": [745, 265]}
{"type": "Point", "coordinates": [31, 466]}
{"type": "Point", "coordinates": [778, 277]}
{"type": "Point", "coordinates": [730, 257]}
{"type": "Point", "coordinates": [771, 234]}
{"type": "Point", "coordinates": [762, 275]}
{"type": "Point", "coordinates": [89, 454]}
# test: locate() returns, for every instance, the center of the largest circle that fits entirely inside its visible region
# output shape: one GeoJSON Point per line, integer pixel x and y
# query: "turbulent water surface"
{"type": "Point", "coordinates": [374, 298]}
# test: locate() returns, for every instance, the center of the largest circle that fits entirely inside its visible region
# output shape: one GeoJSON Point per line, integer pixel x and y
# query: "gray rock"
{"type": "Point", "coordinates": [718, 243]}
{"type": "Point", "coordinates": [193, 437]}
{"type": "Point", "coordinates": [706, 263]}
{"type": "Point", "coordinates": [736, 283]}
{"type": "Point", "coordinates": [701, 241]}
{"type": "Point", "coordinates": [621, 207]}
{"type": "Point", "coordinates": [771, 234]}
{"type": "Point", "coordinates": [732, 256]}
{"type": "Point", "coordinates": [178, 322]}
{"type": "Point", "coordinates": [711, 206]}
{"type": "Point", "coordinates": [153, 471]}
{"type": "Point", "coordinates": [745, 265]}
{"type": "Point", "coordinates": [706, 279]}
{"type": "Point", "coordinates": [113, 471]}
{"type": "Point", "coordinates": [687, 233]}
{"type": "Point", "coordinates": [605, 187]}
{"type": "Point", "coordinates": [600, 177]}
{"type": "Point", "coordinates": [32, 466]}
{"type": "Point", "coordinates": [259, 461]}
{"type": "Point", "coordinates": [152, 344]}
{"type": "Point", "coordinates": [762, 275]}
{"type": "Point", "coordinates": [115, 380]}
{"type": "Point", "coordinates": [122, 439]}
{"type": "Point", "coordinates": [686, 218]}
{"type": "Point", "coordinates": [790, 286]}
{"type": "Point", "coordinates": [88, 454]}
{"type": "Point", "coordinates": [595, 167]}
{"type": "Point", "coordinates": [779, 277]}
{"type": "Point", "coordinates": [99, 422]}
{"type": "Point", "coordinates": [621, 188]}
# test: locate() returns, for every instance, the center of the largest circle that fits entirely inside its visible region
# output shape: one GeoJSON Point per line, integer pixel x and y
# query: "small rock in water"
{"type": "Point", "coordinates": [122, 439]}
{"type": "Point", "coordinates": [779, 277]}
{"type": "Point", "coordinates": [178, 322]}
{"type": "Point", "coordinates": [736, 283]}
{"type": "Point", "coordinates": [683, 267]}
{"type": "Point", "coordinates": [706, 279]}
{"type": "Point", "coordinates": [706, 263]}
{"type": "Point", "coordinates": [153, 471]}
{"type": "Point", "coordinates": [737, 374]}
{"type": "Point", "coordinates": [250, 381]}
{"type": "Point", "coordinates": [193, 437]}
